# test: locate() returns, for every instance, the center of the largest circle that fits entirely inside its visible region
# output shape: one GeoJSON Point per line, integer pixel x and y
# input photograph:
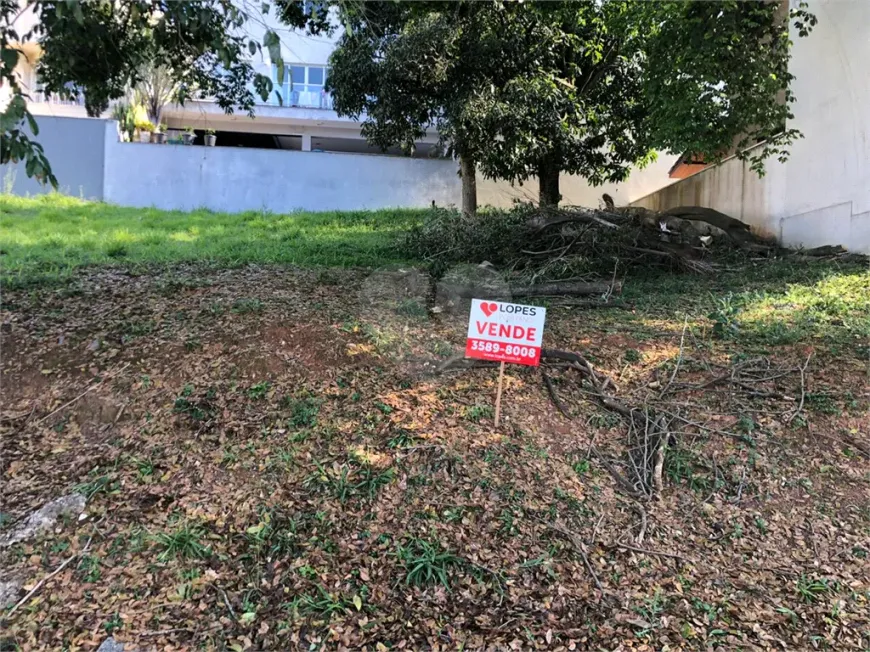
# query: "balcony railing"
{"type": "Point", "coordinates": [301, 95]}
{"type": "Point", "coordinates": [44, 98]}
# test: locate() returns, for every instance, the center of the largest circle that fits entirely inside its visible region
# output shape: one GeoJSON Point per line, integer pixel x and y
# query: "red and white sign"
{"type": "Point", "coordinates": [506, 332]}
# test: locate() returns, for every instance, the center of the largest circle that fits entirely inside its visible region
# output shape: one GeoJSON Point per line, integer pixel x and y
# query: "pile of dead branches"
{"type": "Point", "coordinates": [548, 247]}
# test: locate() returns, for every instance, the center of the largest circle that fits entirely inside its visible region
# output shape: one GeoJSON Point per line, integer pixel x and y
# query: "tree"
{"type": "Point", "coordinates": [591, 88]}
{"type": "Point", "coordinates": [411, 67]}
{"type": "Point", "coordinates": [716, 77]}
{"type": "Point", "coordinates": [156, 87]}
{"type": "Point", "coordinates": [102, 48]}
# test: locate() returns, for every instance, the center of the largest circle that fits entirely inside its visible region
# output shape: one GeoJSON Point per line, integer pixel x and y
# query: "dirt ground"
{"type": "Point", "coordinates": [273, 460]}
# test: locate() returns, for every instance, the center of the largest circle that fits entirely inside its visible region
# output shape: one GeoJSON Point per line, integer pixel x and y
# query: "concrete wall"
{"type": "Point", "coordinates": [240, 179]}
{"type": "Point", "coordinates": [825, 197]}
{"type": "Point", "coordinates": [731, 188]}
{"type": "Point", "coordinates": [822, 194]}
{"type": "Point", "coordinates": [90, 162]}
{"type": "Point", "coordinates": [576, 191]}
{"type": "Point", "coordinates": [76, 150]}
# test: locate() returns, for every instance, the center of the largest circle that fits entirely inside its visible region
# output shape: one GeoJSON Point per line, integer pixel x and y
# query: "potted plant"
{"type": "Point", "coordinates": [188, 136]}
{"type": "Point", "coordinates": [210, 138]}
{"type": "Point", "coordinates": [145, 128]}
{"type": "Point", "coordinates": [160, 134]}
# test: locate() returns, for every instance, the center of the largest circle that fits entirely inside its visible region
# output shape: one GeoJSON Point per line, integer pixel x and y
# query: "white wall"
{"type": "Point", "coordinates": [90, 162]}
{"type": "Point", "coordinates": [576, 191]}
{"type": "Point", "coordinates": [240, 179]}
{"type": "Point", "coordinates": [822, 194]}
{"type": "Point", "coordinates": [75, 148]}
{"type": "Point", "coordinates": [825, 198]}
{"type": "Point", "coordinates": [731, 188]}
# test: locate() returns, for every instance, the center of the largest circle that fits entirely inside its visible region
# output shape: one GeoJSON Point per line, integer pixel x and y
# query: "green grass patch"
{"type": "Point", "coordinates": [46, 237]}
{"type": "Point", "coordinates": [768, 303]}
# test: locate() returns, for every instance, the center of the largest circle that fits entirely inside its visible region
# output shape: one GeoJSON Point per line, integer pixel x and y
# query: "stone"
{"type": "Point", "coordinates": [44, 518]}
{"type": "Point", "coordinates": [110, 645]}
{"type": "Point", "coordinates": [9, 591]}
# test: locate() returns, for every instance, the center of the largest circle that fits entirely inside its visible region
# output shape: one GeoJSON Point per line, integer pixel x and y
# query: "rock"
{"type": "Point", "coordinates": [44, 518]}
{"type": "Point", "coordinates": [94, 345]}
{"type": "Point", "coordinates": [110, 645]}
{"type": "Point", "coordinates": [9, 590]}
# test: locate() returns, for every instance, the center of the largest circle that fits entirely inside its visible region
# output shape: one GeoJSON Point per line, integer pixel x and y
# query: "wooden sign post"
{"type": "Point", "coordinates": [498, 393]}
{"type": "Point", "coordinates": [505, 332]}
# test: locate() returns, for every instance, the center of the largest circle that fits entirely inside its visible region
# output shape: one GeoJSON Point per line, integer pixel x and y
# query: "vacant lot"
{"type": "Point", "coordinates": [275, 457]}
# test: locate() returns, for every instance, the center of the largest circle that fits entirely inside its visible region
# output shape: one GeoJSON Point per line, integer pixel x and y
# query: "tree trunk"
{"type": "Point", "coordinates": [558, 288]}
{"type": "Point", "coordinates": [468, 174]}
{"type": "Point", "coordinates": [548, 184]}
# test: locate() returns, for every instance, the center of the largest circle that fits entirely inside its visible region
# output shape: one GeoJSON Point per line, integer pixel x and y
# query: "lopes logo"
{"type": "Point", "coordinates": [491, 307]}
{"type": "Point", "coordinates": [488, 308]}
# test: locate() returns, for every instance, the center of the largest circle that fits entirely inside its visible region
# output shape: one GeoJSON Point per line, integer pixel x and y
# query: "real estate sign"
{"type": "Point", "coordinates": [505, 332]}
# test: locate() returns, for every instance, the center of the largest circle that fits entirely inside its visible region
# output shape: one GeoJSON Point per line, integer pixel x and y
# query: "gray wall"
{"type": "Point", "coordinates": [76, 150]}
{"type": "Point", "coordinates": [239, 179]}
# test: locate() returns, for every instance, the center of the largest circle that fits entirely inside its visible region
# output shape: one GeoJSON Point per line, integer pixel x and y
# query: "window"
{"type": "Point", "coordinates": [313, 7]}
{"type": "Point", "coordinates": [315, 76]}
{"type": "Point", "coordinates": [302, 86]}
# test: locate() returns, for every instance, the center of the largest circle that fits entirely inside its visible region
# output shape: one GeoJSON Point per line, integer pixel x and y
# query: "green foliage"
{"type": "Point", "coordinates": [113, 624]}
{"type": "Point", "coordinates": [107, 484]}
{"type": "Point", "coordinates": [732, 54]}
{"type": "Point", "coordinates": [581, 467]}
{"type": "Point", "coordinates": [275, 535]}
{"type": "Point", "coordinates": [822, 402]}
{"type": "Point", "coordinates": [811, 590]}
{"type": "Point", "coordinates": [402, 439]}
{"type": "Point", "coordinates": [450, 237]}
{"type": "Point", "coordinates": [100, 49]}
{"type": "Point", "coordinates": [185, 542]}
{"type": "Point", "coordinates": [427, 563]}
{"type": "Point", "coordinates": [345, 481]}
{"type": "Point", "coordinates": [322, 604]}
{"type": "Point", "coordinates": [259, 390]}
{"type": "Point", "coordinates": [475, 413]}
{"type": "Point", "coordinates": [126, 117]}
{"type": "Point", "coordinates": [247, 304]}
{"type": "Point", "coordinates": [632, 355]}
{"type": "Point", "coordinates": [724, 317]}
{"type": "Point", "coordinates": [303, 411]}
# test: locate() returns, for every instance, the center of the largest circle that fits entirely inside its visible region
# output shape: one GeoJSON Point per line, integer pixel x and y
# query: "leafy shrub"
{"type": "Point", "coordinates": [447, 236]}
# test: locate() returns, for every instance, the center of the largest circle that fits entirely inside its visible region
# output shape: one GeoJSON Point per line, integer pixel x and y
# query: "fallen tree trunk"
{"type": "Point", "coordinates": [573, 289]}
{"type": "Point", "coordinates": [527, 291]}
{"type": "Point", "coordinates": [708, 215]}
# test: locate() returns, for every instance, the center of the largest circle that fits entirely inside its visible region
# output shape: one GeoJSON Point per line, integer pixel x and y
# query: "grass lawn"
{"type": "Point", "coordinates": [50, 235]}
{"type": "Point", "coordinates": [272, 456]}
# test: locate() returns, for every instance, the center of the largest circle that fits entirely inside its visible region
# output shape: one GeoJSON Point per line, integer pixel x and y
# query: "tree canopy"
{"type": "Point", "coordinates": [538, 88]}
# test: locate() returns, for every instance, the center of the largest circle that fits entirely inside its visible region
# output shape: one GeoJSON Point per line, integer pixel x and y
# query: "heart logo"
{"type": "Point", "coordinates": [488, 308]}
